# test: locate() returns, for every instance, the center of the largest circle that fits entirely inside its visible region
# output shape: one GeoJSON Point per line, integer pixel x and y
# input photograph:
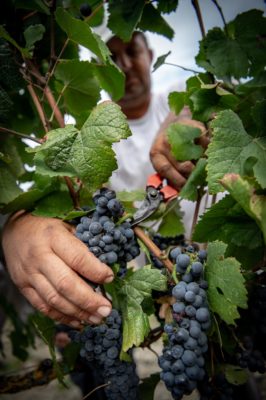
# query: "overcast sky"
{"type": "Point", "coordinates": [185, 44]}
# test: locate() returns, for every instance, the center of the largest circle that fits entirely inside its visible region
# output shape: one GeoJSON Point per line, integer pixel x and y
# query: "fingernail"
{"type": "Point", "coordinates": [104, 311]}
{"type": "Point", "coordinates": [75, 324]}
{"type": "Point", "coordinates": [94, 320]}
{"type": "Point", "coordinates": [109, 279]}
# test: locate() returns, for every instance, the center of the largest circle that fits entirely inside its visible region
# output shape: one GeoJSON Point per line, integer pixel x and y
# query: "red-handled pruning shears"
{"type": "Point", "coordinates": [156, 192]}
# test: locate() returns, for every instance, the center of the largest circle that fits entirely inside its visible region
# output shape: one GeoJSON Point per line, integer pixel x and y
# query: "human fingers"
{"type": "Point", "coordinates": [55, 301]}
{"type": "Point", "coordinates": [71, 286]}
{"type": "Point", "coordinates": [165, 169]}
{"type": "Point", "coordinates": [76, 255]}
{"type": "Point", "coordinates": [204, 139]}
{"type": "Point", "coordinates": [39, 304]}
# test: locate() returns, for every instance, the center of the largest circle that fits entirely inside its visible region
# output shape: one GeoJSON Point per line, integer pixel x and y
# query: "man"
{"type": "Point", "coordinates": [145, 112]}
{"type": "Point", "coordinates": [148, 116]}
{"type": "Point", "coordinates": [44, 258]}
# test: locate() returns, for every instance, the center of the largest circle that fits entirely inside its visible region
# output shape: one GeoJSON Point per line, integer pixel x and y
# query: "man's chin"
{"type": "Point", "coordinates": [134, 94]}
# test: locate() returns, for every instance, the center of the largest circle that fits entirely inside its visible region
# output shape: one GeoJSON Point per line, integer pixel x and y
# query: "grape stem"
{"type": "Point", "coordinates": [153, 248]}
{"type": "Point", "coordinates": [97, 388]}
{"type": "Point", "coordinates": [152, 337]}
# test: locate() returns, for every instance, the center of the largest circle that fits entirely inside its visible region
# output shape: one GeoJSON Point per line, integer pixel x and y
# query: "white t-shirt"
{"type": "Point", "coordinates": [132, 154]}
{"type": "Point", "coordinates": [133, 159]}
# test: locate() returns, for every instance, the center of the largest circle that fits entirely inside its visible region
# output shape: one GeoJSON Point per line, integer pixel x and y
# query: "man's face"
{"type": "Point", "coordinates": [134, 59]}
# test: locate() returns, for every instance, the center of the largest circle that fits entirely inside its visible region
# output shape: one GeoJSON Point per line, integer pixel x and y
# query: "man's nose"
{"type": "Point", "coordinates": [124, 62]}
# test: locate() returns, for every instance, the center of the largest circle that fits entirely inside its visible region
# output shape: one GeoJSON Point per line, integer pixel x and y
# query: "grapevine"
{"type": "Point", "coordinates": [206, 292]}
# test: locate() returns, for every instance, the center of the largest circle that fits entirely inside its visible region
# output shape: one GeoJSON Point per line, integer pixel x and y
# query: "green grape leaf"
{"type": "Point", "coordinates": [5, 35]}
{"type": "Point", "coordinates": [46, 329]}
{"type": "Point", "coordinates": [195, 181]}
{"type": "Point", "coordinates": [248, 258]}
{"type": "Point", "coordinates": [210, 99]}
{"type": "Point", "coordinates": [148, 385]}
{"type": "Point", "coordinates": [25, 200]}
{"type": "Point", "coordinates": [227, 221]}
{"type": "Point", "coordinates": [167, 6]}
{"type": "Point", "coordinates": [36, 5]}
{"type": "Point", "coordinates": [111, 79]}
{"type": "Point", "coordinates": [124, 17]}
{"type": "Point", "coordinates": [151, 20]}
{"type": "Point", "coordinates": [71, 355]}
{"type": "Point", "coordinates": [230, 149]}
{"type": "Point", "coordinates": [245, 194]}
{"type": "Point", "coordinates": [10, 77]}
{"type": "Point", "coordinates": [160, 61]}
{"type": "Point", "coordinates": [14, 150]}
{"type": "Point", "coordinates": [80, 32]}
{"type": "Point", "coordinates": [171, 223]}
{"type": "Point", "coordinates": [56, 204]}
{"type": "Point", "coordinates": [47, 165]}
{"type": "Point", "coordinates": [259, 116]}
{"type": "Point", "coordinates": [136, 287]}
{"type": "Point", "coordinates": [226, 290]}
{"type": "Point", "coordinates": [81, 90]}
{"type": "Point", "coordinates": [19, 343]}
{"type": "Point", "coordinates": [181, 138]}
{"type": "Point", "coordinates": [6, 105]}
{"type": "Point", "coordinates": [222, 55]}
{"type": "Point", "coordinates": [87, 153]}
{"type": "Point", "coordinates": [9, 189]}
{"type": "Point", "coordinates": [235, 374]}
{"type": "Point", "coordinates": [134, 195]}
{"type": "Point", "coordinates": [74, 214]}
{"type": "Point", "coordinates": [33, 34]}
{"type": "Point", "coordinates": [97, 16]}
{"type": "Point", "coordinates": [259, 81]}
{"type": "Point", "coordinates": [21, 335]}
{"type": "Point", "coordinates": [250, 33]}
{"type": "Point", "coordinates": [176, 101]}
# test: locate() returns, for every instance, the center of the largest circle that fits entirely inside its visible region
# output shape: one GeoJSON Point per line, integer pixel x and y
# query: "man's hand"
{"type": "Point", "coordinates": [48, 263]}
{"type": "Point", "coordinates": [163, 161]}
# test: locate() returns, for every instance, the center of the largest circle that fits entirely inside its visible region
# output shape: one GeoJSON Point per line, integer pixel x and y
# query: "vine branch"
{"type": "Point", "coordinates": [196, 213]}
{"type": "Point", "coordinates": [58, 116]}
{"type": "Point", "coordinates": [54, 106]}
{"type": "Point", "coordinates": [217, 5]}
{"type": "Point", "coordinates": [184, 68]}
{"type": "Point", "coordinates": [42, 375]}
{"type": "Point", "coordinates": [51, 72]}
{"type": "Point", "coordinates": [38, 106]}
{"type": "Point", "coordinates": [196, 6]}
{"type": "Point", "coordinates": [19, 134]}
{"type": "Point", "coordinates": [154, 249]}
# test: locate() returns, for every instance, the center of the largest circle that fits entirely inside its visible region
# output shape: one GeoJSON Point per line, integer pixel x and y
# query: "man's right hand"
{"type": "Point", "coordinates": [163, 161]}
{"type": "Point", "coordinates": [48, 263]}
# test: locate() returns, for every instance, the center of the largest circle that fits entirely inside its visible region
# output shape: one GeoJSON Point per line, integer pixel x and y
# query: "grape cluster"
{"type": "Point", "coordinates": [217, 388]}
{"type": "Point", "coordinates": [182, 361]}
{"type": "Point", "coordinates": [110, 242]}
{"type": "Point", "coordinates": [101, 345]}
{"type": "Point", "coordinates": [163, 243]}
{"type": "Point", "coordinates": [252, 353]}
{"type": "Point", "coordinates": [250, 357]}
